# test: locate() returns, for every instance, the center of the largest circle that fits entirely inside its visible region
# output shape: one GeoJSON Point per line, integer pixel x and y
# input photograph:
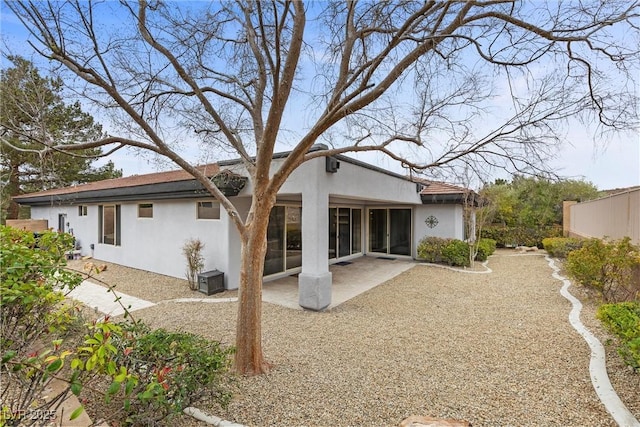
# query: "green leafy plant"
{"type": "Point", "coordinates": [42, 340]}
{"type": "Point", "coordinates": [484, 249]}
{"type": "Point", "coordinates": [174, 370]}
{"type": "Point", "coordinates": [456, 253]}
{"type": "Point", "coordinates": [511, 236]}
{"type": "Point", "coordinates": [560, 247]}
{"type": "Point", "coordinates": [623, 319]}
{"type": "Point", "coordinates": [430, 248]}
{"type": "Point", "coordinates": [609, 267]}
{"type": "Point", "coordinates": [33, 279]}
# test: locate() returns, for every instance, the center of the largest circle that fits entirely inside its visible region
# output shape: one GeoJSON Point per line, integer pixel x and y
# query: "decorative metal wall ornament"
{"type": "Point", "coordinates": [431, 221]}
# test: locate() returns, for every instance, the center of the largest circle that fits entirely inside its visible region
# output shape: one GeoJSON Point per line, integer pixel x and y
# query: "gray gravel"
{"type": "Point", "coordinates": [494, 349]}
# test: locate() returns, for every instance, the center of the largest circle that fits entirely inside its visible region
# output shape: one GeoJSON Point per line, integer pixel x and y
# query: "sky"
{"type": "Point", "coordinates": [609, 163]}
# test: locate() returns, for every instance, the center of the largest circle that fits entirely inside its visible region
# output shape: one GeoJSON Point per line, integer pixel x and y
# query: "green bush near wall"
{"type": "Point", "coordinates": [507, 237]}
{"type": "Point", "coordinates": [608, 267]}
{"type": "Point", "coordinates": [430, 249]}
{"type": "Point", "coordinates": [453, 251]}
{"type": "Point", "coordinates": [456, 253]}
{"type": "Point", "coordinates": [560, 247]}
{"type": "Point", "coordinates": [623, 319]}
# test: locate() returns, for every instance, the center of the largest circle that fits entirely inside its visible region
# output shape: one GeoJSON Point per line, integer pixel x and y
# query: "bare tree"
{"type": "Point", "coordinates": [410, 79]}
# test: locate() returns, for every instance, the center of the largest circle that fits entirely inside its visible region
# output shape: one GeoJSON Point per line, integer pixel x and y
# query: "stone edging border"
{"type": "Point", "coordinates": [486, 270]}
{"type": "Point", "coordinates": [597, 364]}
{"type": "Point", "coordinates": [209, 419]}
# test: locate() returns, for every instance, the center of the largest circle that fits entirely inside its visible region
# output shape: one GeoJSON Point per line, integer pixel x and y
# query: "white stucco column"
{"type": "Point", "coordinates": [314, 282]}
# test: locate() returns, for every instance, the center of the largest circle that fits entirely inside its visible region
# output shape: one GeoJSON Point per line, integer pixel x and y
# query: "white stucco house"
{"type": "Point", "coordinates": [329, 210]}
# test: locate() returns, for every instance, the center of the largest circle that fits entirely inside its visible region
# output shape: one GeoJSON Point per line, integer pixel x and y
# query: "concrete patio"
{"type": "Point", "coordinates": [350, 278]}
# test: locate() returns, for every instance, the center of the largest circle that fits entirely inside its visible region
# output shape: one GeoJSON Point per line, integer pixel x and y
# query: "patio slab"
{"type": "Point", "coordinates": [100, 299]}
{"type": "Point", "coordinates": [350, 279]}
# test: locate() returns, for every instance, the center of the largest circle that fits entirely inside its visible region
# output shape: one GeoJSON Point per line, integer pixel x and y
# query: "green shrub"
{"type": "Point", "coordinates": [560, 247]}
{"type": "Point", "coordinates": [608, 267]}
{"type": "Point", "coordinates": [519, 236]}
{"type": "Point", "coordinates": [430, 248]}
{"type": "Point", "coordinates": [32, 278]}
{"type": "Point", "coordinates": [456, 252]}
{"type": "Point", "coordinates": [174, 370]}
{"type": "Point", "coordinates": [485, 248]}
{"type": "Point", "coordinates": [623, 319]}
{"type": "Point", "coordinates": [151, 374]}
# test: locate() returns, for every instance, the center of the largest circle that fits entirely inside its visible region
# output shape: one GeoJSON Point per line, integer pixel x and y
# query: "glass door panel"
{"type": "Point", "coordinates": [333, 232]}
{"type": "Point", "coordinates": [378, 230]}
{"type": "Point", "coordinates": [400, 231]}
{"type": "Point", "coordinates": [344, 232]}
{"type": "Point", "coordinates": [294, 237]}
{"type": "Point", "coordinates": [274, 259]}
{"type": "Point", "coordinates": [356, 231]}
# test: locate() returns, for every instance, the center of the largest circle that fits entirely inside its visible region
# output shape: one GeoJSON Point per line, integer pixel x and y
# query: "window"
{"type": "Point", "coordinates": [82, 210]}
{"type": "Point", "coordinates": [109, 224]}
{"type": "Point", "coordinates": [208, 210]}
{"type": "Point", "coordinates": [145, 210]}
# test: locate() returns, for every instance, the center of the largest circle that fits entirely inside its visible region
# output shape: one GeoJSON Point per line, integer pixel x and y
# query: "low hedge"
{"type": "Point", "coordinates": [611, 268]}
{"type": "Point", "coordinates": [486, 247]}
{"type": "Point", "coordinates": [456, 253]}
{"type": "Point", "coordinates": [519, 236]}
{"type": "Point", "coordinates": [453, 251]}
{"type": "Point", "coordinates": [623, 319]}
{"type": "Point", "coordinates": [430, 248]}
{"type": "Point", "coordinates": [560, 247]}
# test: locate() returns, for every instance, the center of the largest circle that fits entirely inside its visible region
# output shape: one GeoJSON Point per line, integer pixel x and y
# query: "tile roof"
{"type": "Point", "coordinates": [129, 181]}
{"type": "Point", "coordinates": [436, 187]}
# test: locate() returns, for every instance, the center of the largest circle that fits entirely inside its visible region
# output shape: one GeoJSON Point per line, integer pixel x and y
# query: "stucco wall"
{"type": "Point", "coordinates": [153, 244]}
{"type": "Point", "coordinates": [449, 222]}
{"type": "Point", "coordinates": [613, 216]}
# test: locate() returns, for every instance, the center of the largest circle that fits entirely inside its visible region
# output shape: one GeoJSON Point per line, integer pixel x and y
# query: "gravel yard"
{"type": "Point", "coordinates": [494, 349]}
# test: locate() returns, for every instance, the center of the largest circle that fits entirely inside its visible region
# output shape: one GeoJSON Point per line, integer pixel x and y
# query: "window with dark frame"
{"type": "Point", "coordinates": [145, 210]}
{"type": "Point", "coordinates": [208, 210]}
{"type": "Point", "coordinates": [109, 224]}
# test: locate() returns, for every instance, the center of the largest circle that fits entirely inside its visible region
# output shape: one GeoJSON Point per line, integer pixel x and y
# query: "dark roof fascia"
{"type": "Point", "coordinates": [446, 199]}
{"type": "Point", "coordinates": [189, 188]}
{"type": "Point", "coordinates": [159, 191]}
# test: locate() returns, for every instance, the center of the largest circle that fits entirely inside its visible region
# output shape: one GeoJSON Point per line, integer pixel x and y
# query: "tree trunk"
{"type": "Point", "coordinates": [13, 189]}
{"type": "Point", "coordinates": [249, 359]}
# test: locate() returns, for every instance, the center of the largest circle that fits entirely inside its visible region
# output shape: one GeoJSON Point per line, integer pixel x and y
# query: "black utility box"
{"type": "Point", "coordinates": [211, 282]}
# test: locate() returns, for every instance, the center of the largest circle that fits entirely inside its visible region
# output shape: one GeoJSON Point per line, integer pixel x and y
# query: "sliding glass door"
{"type": "Point", "coordinates": [284, 240]}
{"type": "Point", "coordinates": [390, 231]}
{"type": "Point", "coordinates": [345, 232]}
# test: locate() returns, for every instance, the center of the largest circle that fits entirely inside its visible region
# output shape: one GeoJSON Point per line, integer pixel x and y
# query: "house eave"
{"type": "Point", "coordinates": [447, 199]}
{"type": "Point", "coordinates": [162, 191]}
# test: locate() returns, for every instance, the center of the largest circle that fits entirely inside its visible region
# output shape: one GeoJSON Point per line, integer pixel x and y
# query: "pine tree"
{"type": "Point", "coordinates": [32, 108]}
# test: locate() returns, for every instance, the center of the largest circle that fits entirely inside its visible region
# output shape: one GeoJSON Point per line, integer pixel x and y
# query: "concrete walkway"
{"type": "Point", "coordinates": [103, 300]}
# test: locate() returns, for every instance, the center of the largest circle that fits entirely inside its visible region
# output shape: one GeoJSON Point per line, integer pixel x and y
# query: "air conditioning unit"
{"type": "Point", "coordinates": [211, 282]}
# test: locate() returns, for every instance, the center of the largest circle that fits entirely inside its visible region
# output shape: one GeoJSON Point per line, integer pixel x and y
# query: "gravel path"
{"type": "Point", "coordinates": [494, 349]}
